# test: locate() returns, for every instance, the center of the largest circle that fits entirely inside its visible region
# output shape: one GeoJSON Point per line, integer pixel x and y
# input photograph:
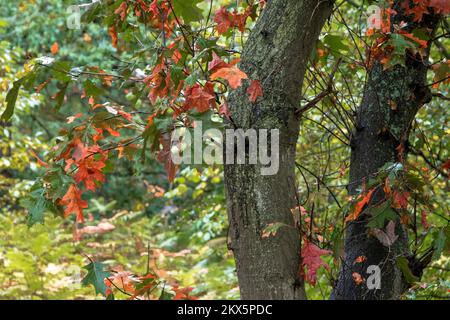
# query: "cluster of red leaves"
{"type": "Point", "coordinates": [226, 20]}
{"type": "Point", "coordinates": [154, 14]}
{"type": "Point", "coordinates": [312, 261]}
{"type": "Point", "coordinates": [423, 7]}
{"type": "Point", "coordinates": [161, 84]}
{"type": "Point", "coordinates": [137, 287]}
{"type": "Point", "coordinates": [89, 162]}
{"type": "Point", "coordinates": [382, 49]}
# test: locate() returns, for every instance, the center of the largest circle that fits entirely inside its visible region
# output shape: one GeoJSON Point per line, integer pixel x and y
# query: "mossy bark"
{"type": "Point", "coordinates": [380, 130]}
{"type": "Point", "coordinates": [276, 54]}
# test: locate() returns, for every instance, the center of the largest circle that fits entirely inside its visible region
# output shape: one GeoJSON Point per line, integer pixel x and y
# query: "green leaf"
{"type": "Point", "coordinates": [188, 10]}
{"type": "Point", "coordinates": [57, 183]}
{"type": "Point", "coordinates": [380, 214]}
{"type": "Point", "coordinates": [403, 265]}
{"type": "Point", "coordinates": [441, 242]}
{"type": "Point", "coordinates": [11, 99]}
{"type": "Point", "coordinates": [36, 203]}
{"type": "Point", "coordinates": [91, 89]}
{"type": "Point", "coordinates": [61, 70]}
{"type": "Point", "coordinates": [60, 96]}
{"type": "Point", "coordinates": [335, 43]}
{"type": "Point", "coordinates": [96, 276]}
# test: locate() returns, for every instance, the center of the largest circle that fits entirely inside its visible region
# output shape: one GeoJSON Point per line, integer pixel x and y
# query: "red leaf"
{"type": "Point", "coordinates": [216, 63]}
{"type": "Point", "coordinates": [311, 261]}
{"type": "Point", "coordinates": [74, 204]}
{"type": "Point", "coordinates": [165, 157]}
{"type": "Point", "coordinates": [122, 11]}
{"type": "Point", "coordinates": [255, 90]}
{"type": "Point", "coordinates": [201, 98]}
{"type": "Point", "coordinates": [441, 6]}
{"type": "Point", "coordinates": [224, 20]}
{"type": "Point", "coordinates": [400, 200]}
{"type": "Point", "coordinates": [423, 218]}
{"type": "Point", "coordinates": [183, 293]}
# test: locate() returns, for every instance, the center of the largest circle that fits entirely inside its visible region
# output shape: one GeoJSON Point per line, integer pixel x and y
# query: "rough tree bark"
{"type": "Point", "coordinates": [276, 53]}
{"type": "Point", "coordinates": [380, 129]}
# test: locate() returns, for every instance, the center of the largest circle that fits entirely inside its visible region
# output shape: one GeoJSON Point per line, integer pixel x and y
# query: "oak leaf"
{"type": "Point", "coordinates": [74, 203]}
{"type": "Point", "coordinates": [312, 261]}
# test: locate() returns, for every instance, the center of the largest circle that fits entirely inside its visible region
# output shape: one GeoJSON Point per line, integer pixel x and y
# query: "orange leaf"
{"type": "Point", "coordinates": [55, 48]}
{"type": "Point", "coordinates": [233, 75]}
{"type": "Point", "coordinates": [74, 204]}
{"type": "Point", "coordinates": [357, 278]}
{"type": "Point", "coordinates": [359, 207]}
{"type": "Point", "coordinates": [41, 163]}
{"type": "Point", "coordinates": [113, 33]}
{"type": "Point", "coordinates": [201, 98]}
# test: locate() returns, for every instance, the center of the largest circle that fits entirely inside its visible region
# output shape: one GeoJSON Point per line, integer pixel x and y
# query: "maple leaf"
{"type": "Point", "coordinates": [202, 98]}
{"type": "Point", "coordinates": [74, 204]}
{"type": "Point", "coordinates": [216, 63]}
{"type": "Point", "coordinates": [232, 74]}
{"type": "Point", "coordinates": [55, 48]}
{"type": "Point", "coordinates": [387, 237]}
{"type": "Point", "coordinates": [311, 261]}
{"type": "Point", "coordinates": [159, 81]}
{"type": "Point", "coordinates": [224, 20]}
{"type": "Point", "coordinates": [255, 90]}
{"type": "Point", "coordinates": [400, 200]}
{"type": "Point", "coordinates": [359, 206]}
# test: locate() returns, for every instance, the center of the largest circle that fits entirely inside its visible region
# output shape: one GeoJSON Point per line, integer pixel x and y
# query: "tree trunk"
{"type": "Point", "coordinates": [276, 53]}
{"type": "Point", "coordinates": [380, 130]}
